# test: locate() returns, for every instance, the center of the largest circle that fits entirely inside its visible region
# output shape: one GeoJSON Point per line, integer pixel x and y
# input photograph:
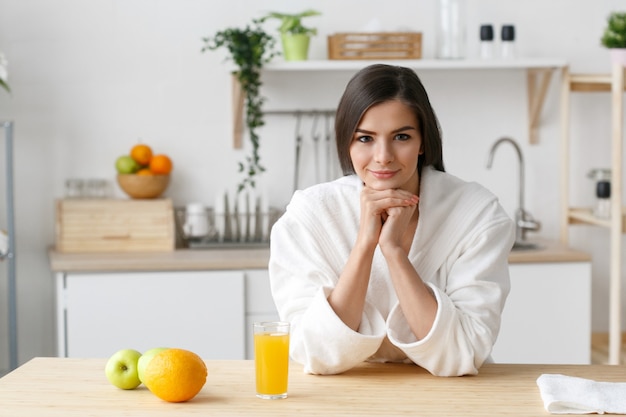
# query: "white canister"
{"type": "Point", "coordinates": [450, 23]}
{"type": "Point", "coordinates": [196, 220]}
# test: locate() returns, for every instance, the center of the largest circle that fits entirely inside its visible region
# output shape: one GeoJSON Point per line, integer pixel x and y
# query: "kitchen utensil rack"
{"type": "Point", "coordinates": [229, 230]}
{"type": "Point", "coordinates": [9, 257]}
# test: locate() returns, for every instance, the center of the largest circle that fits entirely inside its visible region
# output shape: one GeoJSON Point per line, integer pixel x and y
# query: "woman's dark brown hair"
{"type": "Point", "coordinates": [379, 83]}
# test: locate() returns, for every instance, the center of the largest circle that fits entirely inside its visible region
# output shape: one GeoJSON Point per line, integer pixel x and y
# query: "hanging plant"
{"type": "Point", "coordinates": [249, 48]}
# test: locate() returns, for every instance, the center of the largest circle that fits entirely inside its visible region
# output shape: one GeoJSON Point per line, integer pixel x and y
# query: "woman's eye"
{"type": "Point", "coordinates": [402, 137]}
{"type": "Point", "coordinates": [364, 139]}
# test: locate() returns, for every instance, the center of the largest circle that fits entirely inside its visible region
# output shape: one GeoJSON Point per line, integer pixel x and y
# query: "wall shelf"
{"type": "Point", "coordinates": [539, 73]}
{"type": "Point", "coordinates": [613, 83]}
{"type": "Point", "coordinates": [425, 64]}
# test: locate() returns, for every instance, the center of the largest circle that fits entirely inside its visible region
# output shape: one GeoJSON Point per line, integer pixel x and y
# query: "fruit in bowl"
{"type": "Point", "coordinates": [141, 174]}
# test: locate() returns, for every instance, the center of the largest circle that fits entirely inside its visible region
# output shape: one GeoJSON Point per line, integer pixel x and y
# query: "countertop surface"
{"type": "Point", "coordinates": [78, 387]}
{"type": "Point", "coordinates": [255, 258]}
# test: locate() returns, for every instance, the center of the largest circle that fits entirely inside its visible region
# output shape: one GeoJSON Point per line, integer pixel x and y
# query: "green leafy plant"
{"type": "Point", "coordinates": [292, 23]}
{"type": "Point", "coordinates": [615, 32]}
{"type": "Point", "coordinates": [249, 48]}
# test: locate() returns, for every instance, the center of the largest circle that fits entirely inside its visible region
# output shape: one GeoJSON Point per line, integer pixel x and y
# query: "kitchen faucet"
{"type": "Point", "coordinates": [523, 220]}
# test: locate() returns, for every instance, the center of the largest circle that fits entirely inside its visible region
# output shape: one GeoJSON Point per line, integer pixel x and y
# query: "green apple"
{"type": "Point", "coordinates": [121, 369]}
{"type": "Point", "coordinates": [145, 359]}
{"type": "Point", "coordinates": [126, 165]}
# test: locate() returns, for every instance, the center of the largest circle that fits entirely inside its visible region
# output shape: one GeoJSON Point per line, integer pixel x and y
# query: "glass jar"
{"type": "Point", "coordinates": [451, 36]}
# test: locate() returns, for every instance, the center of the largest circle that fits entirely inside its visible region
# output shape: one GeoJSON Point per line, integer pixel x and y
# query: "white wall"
{"type": "Point", "coordinates": [91, 77]}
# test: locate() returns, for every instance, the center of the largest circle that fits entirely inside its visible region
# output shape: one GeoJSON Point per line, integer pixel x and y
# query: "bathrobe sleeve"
{"type": "Point", "coordinates": [471, 288]}
{"type": "Point", "coordinates": [305, 264]}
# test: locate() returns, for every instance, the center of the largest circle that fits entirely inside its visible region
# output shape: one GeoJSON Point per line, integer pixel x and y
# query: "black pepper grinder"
{"type": "Point", "coordinates": [508, 42]}
{"type": "Point", "coordinates": [486, 41]}
{"type": "Point", "coordinates": [603, 205]}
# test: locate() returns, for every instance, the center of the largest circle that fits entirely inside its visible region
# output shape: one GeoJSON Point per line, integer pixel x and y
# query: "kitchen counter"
{"type": "Point", "coordinates": [78, 387]}
{"type": "Point", "coordinates": [178, 260]}
{"type": "Point", "coordinates": [255, 258]}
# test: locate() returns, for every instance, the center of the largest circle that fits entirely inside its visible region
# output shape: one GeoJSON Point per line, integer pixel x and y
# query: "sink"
{"type": "Point", "coordinates": [525, 245]}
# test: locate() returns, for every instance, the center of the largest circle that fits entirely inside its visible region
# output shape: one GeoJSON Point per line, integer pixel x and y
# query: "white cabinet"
{"type": "Point", "coordinates": [547, 316]}
{"type": "Point", "coordinates": [259, 304]}
{"type": "Point", "coordinates": [203, 311]}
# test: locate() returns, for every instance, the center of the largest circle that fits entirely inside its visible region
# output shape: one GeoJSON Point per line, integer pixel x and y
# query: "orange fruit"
{"type": "Point", "coordinates": [175, 375]}
{"type": "Point", "coordinates": [142, 154]}
{"type": "Point", "coordinates": [161, 164]}
{"type": "Point", "coordinates": [144, 171]}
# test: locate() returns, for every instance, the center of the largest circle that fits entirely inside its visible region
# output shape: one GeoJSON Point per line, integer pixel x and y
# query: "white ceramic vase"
{"type": "Point", "coordinates": [618, 56]}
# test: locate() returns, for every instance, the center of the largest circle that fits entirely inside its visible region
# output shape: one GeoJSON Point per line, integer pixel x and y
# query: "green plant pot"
{"type": "Point", "coordinates": [295, 47]}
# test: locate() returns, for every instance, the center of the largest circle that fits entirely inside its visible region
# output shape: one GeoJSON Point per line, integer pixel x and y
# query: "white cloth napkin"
{"type": "Point", "coordinates": [564, 394]}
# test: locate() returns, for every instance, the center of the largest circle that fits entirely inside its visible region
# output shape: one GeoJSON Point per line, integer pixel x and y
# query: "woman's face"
{"type": "Point", "coordinates": [385, 147]}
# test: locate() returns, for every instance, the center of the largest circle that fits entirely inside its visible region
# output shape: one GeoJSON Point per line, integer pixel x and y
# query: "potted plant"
{"type": "Point", "coordinates": [614, 37]}
{"type": "Point", "coordinates": [250, 48]}
{"type": "Point", "coordinates": [295, 37]}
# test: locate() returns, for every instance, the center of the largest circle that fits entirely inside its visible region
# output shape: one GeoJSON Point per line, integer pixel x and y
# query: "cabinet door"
{"type": "Point", "coordinates": [259, 304]}
{"type": "Point", "coordinates": [547, 316]}
{"type": "Point", "coordinates": [199, 311]}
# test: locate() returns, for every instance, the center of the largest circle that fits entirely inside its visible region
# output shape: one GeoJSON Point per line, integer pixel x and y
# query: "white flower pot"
{"type": "Point", "coordinates": [618, 56]}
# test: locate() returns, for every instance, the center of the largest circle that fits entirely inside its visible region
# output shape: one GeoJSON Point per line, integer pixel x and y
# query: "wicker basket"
{"type": "Point", "coordinates": [381, 45]}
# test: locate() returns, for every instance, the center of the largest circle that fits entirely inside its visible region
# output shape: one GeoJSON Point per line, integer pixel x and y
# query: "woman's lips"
{"type": "Point", "coordinates": [383, 175]}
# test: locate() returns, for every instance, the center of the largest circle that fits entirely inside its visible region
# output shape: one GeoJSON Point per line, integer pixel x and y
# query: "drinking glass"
{"type": "Point", "coordinates": [271, 358]}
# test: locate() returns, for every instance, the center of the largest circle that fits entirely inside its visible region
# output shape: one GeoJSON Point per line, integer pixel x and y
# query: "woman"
{"type": "Point", "coordinates": [397, 261]}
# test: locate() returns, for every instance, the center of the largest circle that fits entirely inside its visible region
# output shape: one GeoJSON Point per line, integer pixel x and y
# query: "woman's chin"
{"type": "Point", "coordinates": [381, 185]}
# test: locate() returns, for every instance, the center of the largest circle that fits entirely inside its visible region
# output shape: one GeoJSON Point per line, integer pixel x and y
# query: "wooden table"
{"type": "Point", "coordinates": [78, 387]}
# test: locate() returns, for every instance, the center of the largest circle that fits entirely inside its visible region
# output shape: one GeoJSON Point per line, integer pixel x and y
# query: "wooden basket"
{"type": "Point", "coordinates": [376, 45]}
{"type": "Point", "coordinates": [99, 225]}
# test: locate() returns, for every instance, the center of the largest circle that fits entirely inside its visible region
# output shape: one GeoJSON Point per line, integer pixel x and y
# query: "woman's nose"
{"type": "Point", "coordinates": [383, 153]}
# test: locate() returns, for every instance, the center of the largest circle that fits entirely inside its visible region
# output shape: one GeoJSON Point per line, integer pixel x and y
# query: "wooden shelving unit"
{"type": "Point", "coordinates": [613, 83]}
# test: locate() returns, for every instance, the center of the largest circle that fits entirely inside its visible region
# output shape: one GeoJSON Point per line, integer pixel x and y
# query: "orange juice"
{"type": "Point", "coordinates": [271, 356]}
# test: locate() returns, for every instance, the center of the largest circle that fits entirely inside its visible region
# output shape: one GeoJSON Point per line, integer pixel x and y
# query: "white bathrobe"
{"type": "Point", "coordinates": [460, 250]}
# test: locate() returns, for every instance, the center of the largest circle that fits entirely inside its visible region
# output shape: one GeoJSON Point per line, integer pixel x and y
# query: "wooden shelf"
{"type": "Point", "coordinates": [425, 64]}
{"type": "Point", "coordinates": [539, 73]}
{"type": "Point", "coordinates": [591, 82]}
{"type": "Point", "coordinates": [614, 84]}
{"type": "Point", "coordinates": [580, 215]}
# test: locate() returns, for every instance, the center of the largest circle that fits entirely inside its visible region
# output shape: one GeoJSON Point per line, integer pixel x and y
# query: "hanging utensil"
{"type": "Point", "coordinates": [327, 145]}
{"type": "Point", "coordinates": [316, 139]}
{"type": "Point", "coordinates": [296, 175]}
{"type": "Point", "coordinates": [331, 156]}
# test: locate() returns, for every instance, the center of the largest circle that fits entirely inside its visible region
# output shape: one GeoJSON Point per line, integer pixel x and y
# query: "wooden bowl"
{"type": "Point", "coordinates": [143, 186]}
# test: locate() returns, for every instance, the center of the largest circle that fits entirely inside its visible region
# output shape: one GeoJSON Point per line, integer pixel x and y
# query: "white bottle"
{"type": "Point", "coordinates": [507, 44]}
{"type": "Point", "coordinates": [603, 205]}
{"type": "Point", "coordinates": [451, 35]}
{"type": "Point", "coordinates": [486, 42]}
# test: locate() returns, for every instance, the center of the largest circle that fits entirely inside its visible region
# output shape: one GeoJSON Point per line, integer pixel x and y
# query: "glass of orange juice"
{"type": "Point", "coordinates": [271, 359]}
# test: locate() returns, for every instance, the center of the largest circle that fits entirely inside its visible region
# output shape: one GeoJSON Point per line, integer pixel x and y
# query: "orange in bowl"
{"type": "Point", "coordinates": [141, 153]}
{"type": "Point", "coordinates": [143, 186]}
{"type": "Point", "coordinates": [161, 164]}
